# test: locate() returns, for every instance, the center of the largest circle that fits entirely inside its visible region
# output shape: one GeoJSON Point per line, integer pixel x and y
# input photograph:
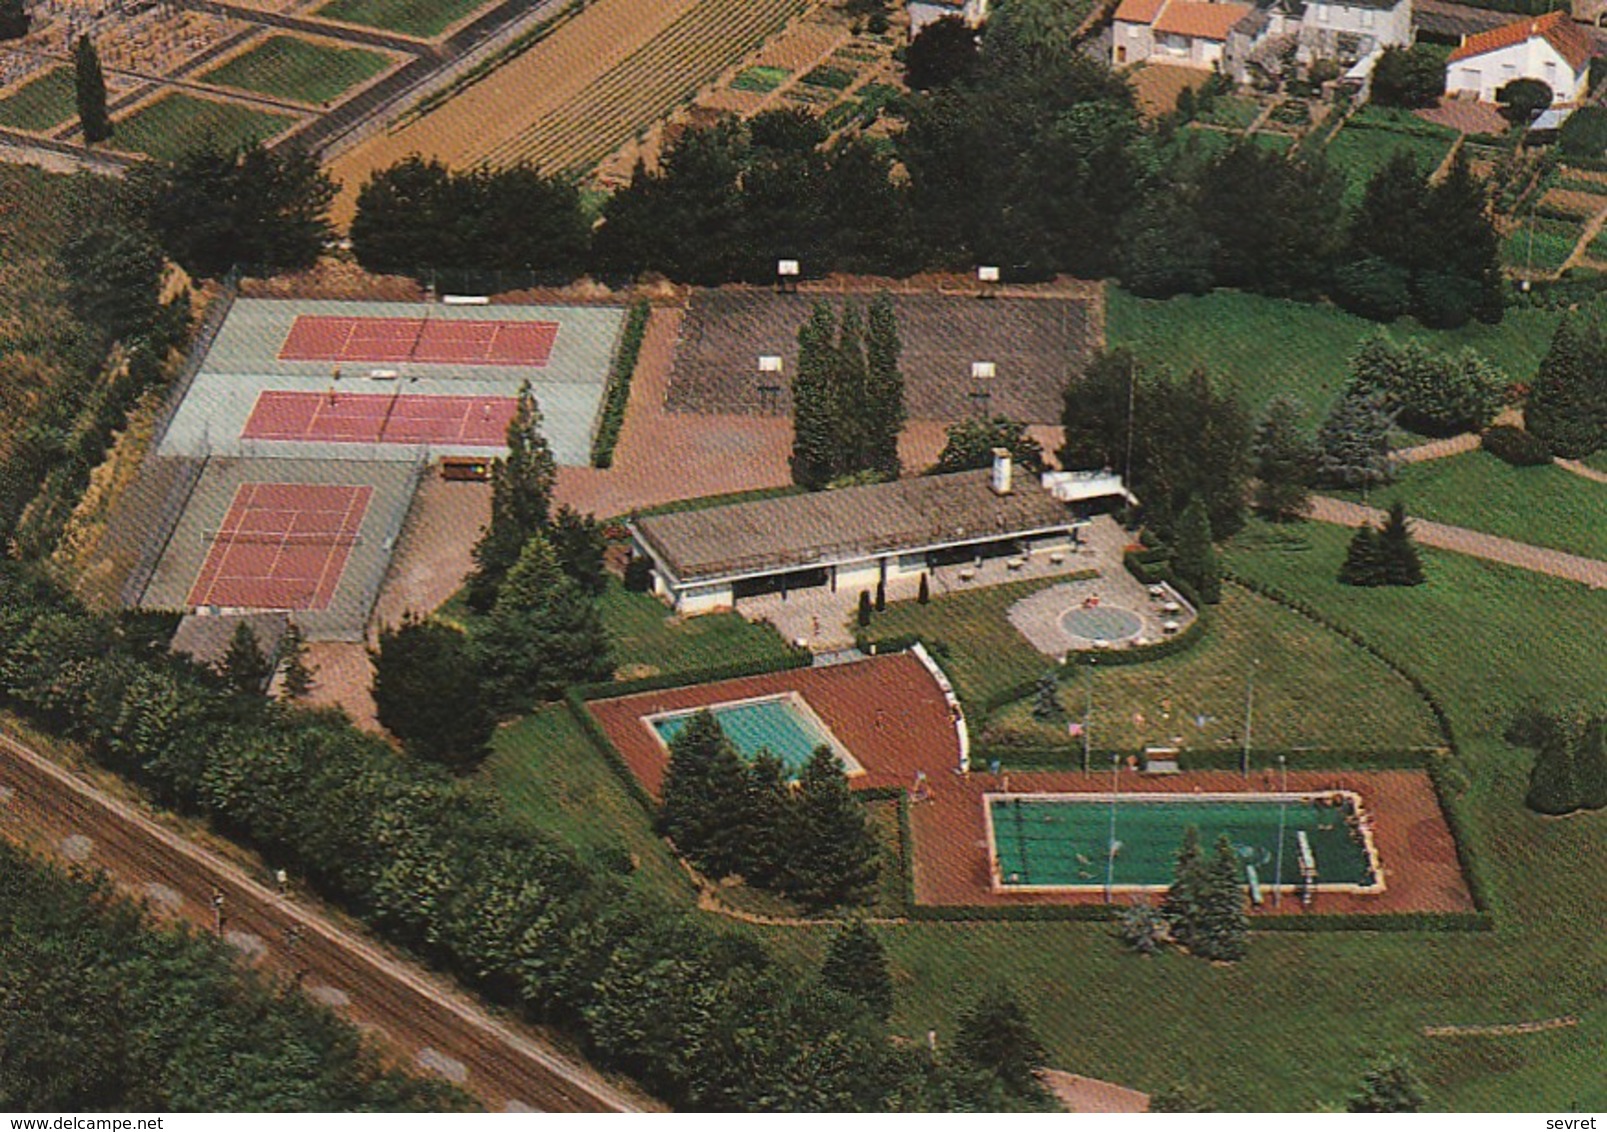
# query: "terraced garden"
{"type": "Point", "coordinates": [423, 18]}
{"type": "Point", "coordinates": [1361, 150]}
{"type": "Point", "coordinates": [289, 67]}
{"type": "Point", "coordinates": [42, 103]}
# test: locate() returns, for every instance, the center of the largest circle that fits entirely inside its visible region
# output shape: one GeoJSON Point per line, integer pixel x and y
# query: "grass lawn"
{"type": "Point", "coordinates": [1597, 460]}
{"type": "Point", "coordinates": [649, 639]}
{"type": "Point", "coordinates": [1540, 244]}
{"type": "Point", "coordinates": [42, 103]}
{"type": "Point", "coordinates": [287, 66]}
{"type": "Point", "coordinates": [547, 774]}
{"type": "Point", "coordinates": [1545, 506]}
{"type": "Point", "coordinates": [423, 18]}
{"type": "Point", "coordinates": [1277, 143]}
{"type": "Point", "coordinates": [1272, 346]}
{"type": "Point", "coordinates": [176, 123]}
{"type": "Point", "coordinates": [1361, 152]}
{"type": "Point", "coordinates": [761, 80]}
{"type": "Point", "coordinates": [1313, 688]}
{"type": "Point", "coordinates": [1233, 111]}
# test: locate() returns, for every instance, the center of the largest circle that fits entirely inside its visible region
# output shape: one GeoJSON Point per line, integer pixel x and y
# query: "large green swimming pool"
{"type": "Point", "coordinates": [780, 724]}
{"type": "Point", "coordinates": [1063, 842]}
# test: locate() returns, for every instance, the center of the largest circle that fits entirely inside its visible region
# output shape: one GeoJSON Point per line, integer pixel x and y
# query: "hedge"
{"type": "Point", "coordinates": [964, 913]}
{"type": "Point", "coordinates": [1375, 922]}
{"type": "Point", "coordinates": [1047, 756]}
{"type": "Point", "coordinates": [618, 393]}
{"type": "Point", "coordinates": [794, 658]}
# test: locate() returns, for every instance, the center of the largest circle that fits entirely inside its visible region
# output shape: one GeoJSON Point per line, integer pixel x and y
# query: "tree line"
{"type": "Point", "coordinates": [104, 1012]}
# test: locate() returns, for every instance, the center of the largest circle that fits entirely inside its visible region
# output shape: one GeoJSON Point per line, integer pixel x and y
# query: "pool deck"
{"type": "Point", "coordinates": [1415, 849]}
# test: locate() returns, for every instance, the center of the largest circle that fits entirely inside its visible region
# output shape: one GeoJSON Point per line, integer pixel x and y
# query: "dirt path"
{"type": "Point", "coordinates": [1085, 1094]}
{"type": "Point", "coordinates": [1591, 572]}
{"type": "Point", "coordinates": [1438, 449]}
{"type": "Point", "coordinates": [1585, 471]}
{"type": "Point", "coordinates": [428, 1025]}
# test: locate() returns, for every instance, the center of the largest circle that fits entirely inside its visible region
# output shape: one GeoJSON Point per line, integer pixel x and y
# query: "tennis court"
{"type": "Point", "coordinates": [784, 725]}
{"type": "Point", "coordinates": [466, 342]}
{"type": "Point", "coordinates": [282, 546]}
{"type": "Point", "coordinates": [1065, 841]}
{"type": "Point", "coordinates": [338, 417]}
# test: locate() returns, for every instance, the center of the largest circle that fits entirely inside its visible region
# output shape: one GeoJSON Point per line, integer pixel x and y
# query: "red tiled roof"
{"type": "Point", "coordinates": [1556, 28]}
{"type": "Point", "coordinates": [1139, 11]}
{"type": "Point", "coordinates": [1200, 21]}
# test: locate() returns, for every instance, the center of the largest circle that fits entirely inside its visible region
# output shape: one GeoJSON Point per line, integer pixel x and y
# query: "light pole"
{"type": "Point", "coordinates": [1110, 850]}
{"type": "Point", "coordinates": [1283, 807]}
{"type": "Point", "coordinates": [1088, 714]}
{"type": "Point", "coordinates": [1249, 718]}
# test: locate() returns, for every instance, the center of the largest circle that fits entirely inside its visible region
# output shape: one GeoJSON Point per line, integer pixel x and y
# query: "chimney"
{"type": "Point", "coordinates": [1001, 471]}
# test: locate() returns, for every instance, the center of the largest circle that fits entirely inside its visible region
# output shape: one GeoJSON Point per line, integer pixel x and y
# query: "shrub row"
{"type": "Point", "coordinates": [1068, 756]}
{"type": "Point", "coordinates": [605, 747]}
{"type": "Point", "coordinates": [618, 394]}
{"type": "Point", "coordinates": [1519, 448]}
{"type": "Point", "coordinates": [1376, 922]}
{"type": "Point", "coordinates": [794, 657]}
{"type": "Point", "coordinates": [971, 913]}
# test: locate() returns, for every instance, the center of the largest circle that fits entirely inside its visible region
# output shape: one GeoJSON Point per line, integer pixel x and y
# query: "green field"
{"type": "Point", "coordinates": [1546, 506]}
{"type": "Point", "coordinates": [1540, 244]}
{"type": "Point", "coordinates": [176, 123]}
{"type": "Point", "coordinates": [41, 103]}
{"type": "Point", "coordinates": [1233, 111]}
{"type": "Point", "coordinates": [1360, 152]}
{"type": "Point", "coordinates": [648, 639]}
{"type": "Point", "coordinates": [423, 18]}
{"type": "Point", "coordinates": [287, 66]}
{"type": "Point", "coordinates": [1272, 346]}
{"type": "Point", "coordinates": [1313, 689]}
{"type": "Point", "coordinates": [761, 80]}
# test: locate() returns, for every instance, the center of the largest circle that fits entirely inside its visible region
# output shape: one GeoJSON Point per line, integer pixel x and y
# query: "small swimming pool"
{"type": "Point", "coordinates": [784, 725]}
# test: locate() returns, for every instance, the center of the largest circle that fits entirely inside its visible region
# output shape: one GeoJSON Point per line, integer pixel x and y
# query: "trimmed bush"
{"type": "Point", "coordinates": [1517, 447]}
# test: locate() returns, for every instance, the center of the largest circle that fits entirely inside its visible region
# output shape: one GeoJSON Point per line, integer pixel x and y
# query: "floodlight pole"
{"type": "Point", "coordinates": [1283, 807]}
{"type": "Point", "coordinates": [1110, 849]}
{"type": "Point", "coordinates": [1249, 717]}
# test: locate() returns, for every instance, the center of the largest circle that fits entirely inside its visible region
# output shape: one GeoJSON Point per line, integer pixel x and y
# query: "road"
{"type": "Point", "coordinates": [425, 1024]}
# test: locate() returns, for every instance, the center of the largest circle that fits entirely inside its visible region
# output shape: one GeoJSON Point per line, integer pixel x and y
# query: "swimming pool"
{"type": "Point", "coordinates": [784, 725]}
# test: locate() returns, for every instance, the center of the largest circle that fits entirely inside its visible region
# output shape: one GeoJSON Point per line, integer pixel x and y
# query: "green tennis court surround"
{"type": "Point", "coordinates": [1063, 841]}
{"type": "Point", "coordinates": [783, 725]}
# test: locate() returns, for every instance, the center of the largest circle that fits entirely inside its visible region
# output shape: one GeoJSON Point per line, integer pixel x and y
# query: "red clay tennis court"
{"type": "Point", "coordinates": [380, 418]}
{"type": "Point", "coordinates": [282, 546]}
{"type": "Point", "coordinates": [465, 342]}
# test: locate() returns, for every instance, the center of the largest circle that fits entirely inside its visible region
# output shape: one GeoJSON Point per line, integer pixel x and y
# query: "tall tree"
{"type": "Point", "coordinates": [1408, 77]}
{"type": "Point", "coordinates": [1195, 559]}
{"type": "Point", "coordinates": [1181, 904]}
{"type": "Point", "coordinates": [856, 966]}
{"type": "Point", "coordinates": [521, 501]}
{"type": "Point", "coordinates": [883, 407]}
{"type": "Point", "coordinates": [114, 278]}
{"type": "Point", "coordinates": [995, 1036]}
{"type": "Point", "coordinates": [428, 693]}
{"type": "Point", "coordinates": [543, 634]}
{"type": "Point", "coordinates": [814, 409]}
{"type": "Point", "coordinates": [244, 667]}
{"type": "Point", "coordinates": [1389, 1086]}
{"type": "Point", "coordinates": [579, 542]}
{"type": "Point", "coordinates": [297, 679]}
{"type": "Point", "coordinates": [969, 444]}
{"type": "Point", "coordinates": [835, 856]}
{"type": "Point", "coordinates": [1567, 406]}
{"type": "Point", "coordinates": [704, 796]}
{"type": "Point", "coordinates": [944, 53]}
{"type": "Point", "coordinates": [1222, 928]}
{"type": "Point", "coordinates": [1353, 443]}
{"type": "Point", "coordinates": [90, 90]}
{"type": "Point", "coordinates": [1285, 462]}
{"type": "Point", "coordinates": [1460, 225]}
{"type": "Point", "coordinates": [1403, 566]}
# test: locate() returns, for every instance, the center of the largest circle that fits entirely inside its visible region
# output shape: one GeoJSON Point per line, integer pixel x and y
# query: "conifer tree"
{"type": "Point", "coordinates": [297, 680]}
{"type": "Point", "coordinates": [91, 91]}
{"type": "Point", "coordinates": [995, 1036]}
{"type": "Point", "coordinates": [1364, 563]}
{"type": "Point", "coordinates": [1285, 462]}
{"type": "Point", "coordinates": [856, 966]}
{"type": "Point", "coordinates": [1221, 928]}
{"type": "Point", "coordinates": [1590, 765]}
{"type": "Point", "coordinates": [814, 410]}
{"type": "Point", "coordinates": [835, 855]}
{"type": "Point", "coordinates": [704, 792]}
{"type": "Point", "coordinates": [1401, 562]}
{"type": "Point", "coordinates": [428, 693]}
{"type": "Point", "coordinates": [884, 401]}
{"type": "Point", "coordinates": [1353, 443]}
{"type": "Point", "coordinates": [765, 823]}
{"type": "Point", "coordinates": [1196, 561]}
{"type": "Point", "coordinates": [1181, 904]}
{"type": "Point", "coordinates": [1567, 406]}
{"type": "Point", "coordinates": [244, 667]}
{"type": "Point", "coordinates": [1554, 786]}
{"type": "Point", "coordinates": [521, 501]}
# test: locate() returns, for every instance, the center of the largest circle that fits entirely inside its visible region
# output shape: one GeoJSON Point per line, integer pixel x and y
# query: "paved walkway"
{"type": "Point", "coordinates": [1581, 469]}
{"type": "Point", "coordinates": [1085, 1094]}
{"type": "Point", "coordinates": [1591, 572]}
{"type": "Point", "coordinates": [1437, 449]}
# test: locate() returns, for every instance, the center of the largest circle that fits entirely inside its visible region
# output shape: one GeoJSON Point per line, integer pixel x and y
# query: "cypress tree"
{"type": "Point", "coordinates": [91, 91]}
{"type": "Point", "coordinates": [1567, 406]}
{"type": "Point", "coordinates": [298, 675]}
{"type": "Point", "coordinates": [1401, 564]}
{"type": "Point", "coordinates": [814, 434]}
{"type": "Point", "coordinates": [1196, 562]}
{"type": "Point", "coordinates": [856, 966]}
{"type": "Point", "coordinates": [864, 609]}
{"type": "Point", "coordinates": [1364, 563]}
{"type": "Point", "coordinates": [243, 666]}
{"type": "Point", "coordinates": [521, 501]}
{"type": "Point", "coordinates": [884, 406]}
{"type": "Point", "coordinates": [835, 855]}
{"type": "Point", "coordinates": [851, 395]}
{"type": "Point", "coordinates": [924, 596]}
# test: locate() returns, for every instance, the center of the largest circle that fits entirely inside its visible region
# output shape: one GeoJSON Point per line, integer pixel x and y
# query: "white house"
{"type": "Point", "coordinates": [923, 12]}
{"type": "Point", "coordinates": [1352, 33]}
{"type": "Point", "coordinates": [1184, 33]}
{"type": "Point", "coordinates": [1551, 48]}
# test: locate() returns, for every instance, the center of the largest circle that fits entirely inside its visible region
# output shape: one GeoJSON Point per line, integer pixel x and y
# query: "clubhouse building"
{"type": "Point", "coordinates": [858, 537]}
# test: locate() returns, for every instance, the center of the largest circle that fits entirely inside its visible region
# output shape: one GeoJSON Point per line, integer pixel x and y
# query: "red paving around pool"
{"type": "Point", "coordinates": [468, 342]}
{"type": "Point", "coordinates": [380, 418]}
{"type": "Point", "coordinates": [282, 546]}
{"type": "Point", "coordinates": [890, 713]}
